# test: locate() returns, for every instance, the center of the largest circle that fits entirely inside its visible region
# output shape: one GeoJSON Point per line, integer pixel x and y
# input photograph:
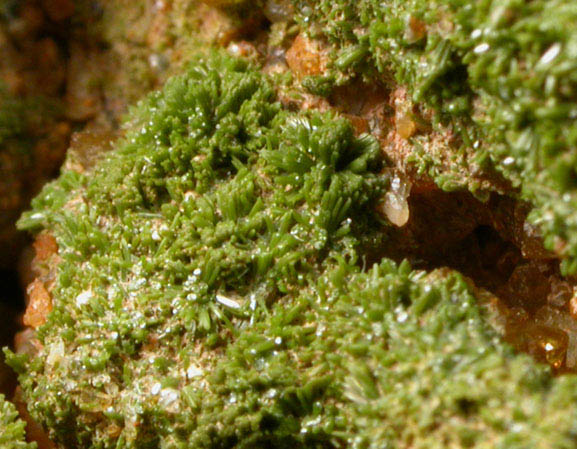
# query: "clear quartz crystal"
{"type": "Point", "coordinates": [395, 205]}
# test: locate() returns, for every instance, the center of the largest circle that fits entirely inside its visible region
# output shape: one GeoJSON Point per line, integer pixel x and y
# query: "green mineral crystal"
{"type": "Point", "coordinates": [149, 40]}
{"type": "Point", "coordinates": [12, 435]}
{"type": "Point", "coordinates": [500, 74]}
{"type": "Point", "coordinates": [217, 287]}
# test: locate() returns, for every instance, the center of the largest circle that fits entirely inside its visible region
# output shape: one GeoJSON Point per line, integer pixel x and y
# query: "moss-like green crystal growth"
{"type": "Point", "coordinates": [499, 72]}
{"type": "Point", "coordinates": [12, 434]}
{"type": "Point", "coordinates": [212, 293]}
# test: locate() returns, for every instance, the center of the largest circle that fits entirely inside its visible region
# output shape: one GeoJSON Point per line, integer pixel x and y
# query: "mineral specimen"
{"type": "Point", "coordinates": [266, 256]}
{"type": "Point", "coordinates": [210, 292]}
{"type": "Point", "coordinates": [11, 428]}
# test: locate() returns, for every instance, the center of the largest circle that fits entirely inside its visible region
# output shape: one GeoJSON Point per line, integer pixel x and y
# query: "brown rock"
{"type": "Point", "coordinates": [305, 57]}
{"type": "Point", "coordinates": [39, 304]}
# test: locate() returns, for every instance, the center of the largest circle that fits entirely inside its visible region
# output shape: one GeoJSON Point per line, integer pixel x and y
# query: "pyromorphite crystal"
{"type": "Point", "coordinates": [500, 76]}
{"type": "Point", "coordinates": [213, 289]}
{"type": "Point", "coordinates": [12, 435]}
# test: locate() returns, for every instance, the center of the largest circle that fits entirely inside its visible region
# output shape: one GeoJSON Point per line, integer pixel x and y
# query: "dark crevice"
{"type": "Point", "coordinates": [11, 305]}
{"type": "Point", "coordinates": [493, 245]}
{"type": "Point", "coordinates": [11, 294]}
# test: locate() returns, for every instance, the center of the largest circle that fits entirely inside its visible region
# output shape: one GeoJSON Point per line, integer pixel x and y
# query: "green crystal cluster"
{"type": "Point", "coordinates": [150, 40]}
{"type": "Point", "coordinates": [215, 290]}
{"type": "Point", "coordinates": [11, 428]}
{"type": "Point", "coordinates": [500, 74]}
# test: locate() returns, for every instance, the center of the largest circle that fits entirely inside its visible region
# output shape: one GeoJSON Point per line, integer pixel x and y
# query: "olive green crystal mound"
{"type": "Point", "coordinates": [12, 434]}
{"type": "Point", "coordinates": [215, 196]}
{"type": "Point", "coordinates": [210, 295]}
{"type": "Point", "coordinates": [501, 72]}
